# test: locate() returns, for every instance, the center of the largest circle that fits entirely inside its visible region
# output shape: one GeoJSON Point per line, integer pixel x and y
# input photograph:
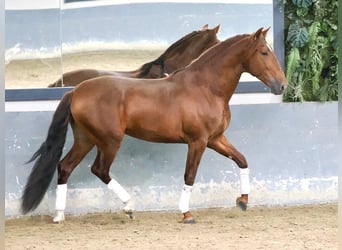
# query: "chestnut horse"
{"type": "Point", "coordinates": [189, 106]}
{"type": "Point", "coordinates": [177, 56]}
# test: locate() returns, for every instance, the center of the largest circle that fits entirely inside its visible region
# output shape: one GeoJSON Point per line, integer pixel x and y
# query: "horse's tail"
{"type": "Point", "coordinates": [48, 156]}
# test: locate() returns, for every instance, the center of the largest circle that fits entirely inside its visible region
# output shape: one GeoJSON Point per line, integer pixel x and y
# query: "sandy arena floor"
{"type": "Point", "coordinates": [296, 227]}
{"type": "Point", "coordinates": [39, 73]}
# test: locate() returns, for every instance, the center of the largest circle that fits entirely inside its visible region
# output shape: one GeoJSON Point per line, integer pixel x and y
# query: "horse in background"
{"type": "Point", "coordinates": [177, 56]}
{"type": "Point", "coordinates": [190, 106]}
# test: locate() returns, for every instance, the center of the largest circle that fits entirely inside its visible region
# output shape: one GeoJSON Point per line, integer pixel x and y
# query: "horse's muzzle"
{"type": "Point", "coordinates": [277, 87]}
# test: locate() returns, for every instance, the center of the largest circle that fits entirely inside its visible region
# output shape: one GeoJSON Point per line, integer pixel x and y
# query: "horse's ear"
{"type": "Point", "coordinates": [216, 29]}
{"type": "Point", "coordinates": [264, 32]}
{"type": "Point", "coordinates": [205, 27]}
{"type": "Point", "coordinates": [257, 34]}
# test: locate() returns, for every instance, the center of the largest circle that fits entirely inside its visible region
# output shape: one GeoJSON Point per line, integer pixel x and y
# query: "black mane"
{"type": "Point", "coordinates": [145, 68]}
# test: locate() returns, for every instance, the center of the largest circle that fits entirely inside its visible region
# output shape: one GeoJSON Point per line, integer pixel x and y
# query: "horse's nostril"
{"type": "Point", "coordinates": [283, 87]}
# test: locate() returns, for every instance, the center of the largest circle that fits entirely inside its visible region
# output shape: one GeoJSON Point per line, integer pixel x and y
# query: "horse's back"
{"type": "Point", "coordinates": [146, 109]}
{"type": "Point", "coordinates": [98, 90]}
{"type": "Point", "coordinates": [106, 92]}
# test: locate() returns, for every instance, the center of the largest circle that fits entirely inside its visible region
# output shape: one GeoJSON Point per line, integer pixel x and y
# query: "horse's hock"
{"type": "Point", "coordinates": [291, 149]}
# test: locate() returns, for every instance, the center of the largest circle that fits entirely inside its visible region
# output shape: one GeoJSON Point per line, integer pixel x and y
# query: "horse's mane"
{"type": "Point", "coordinates": [216, 49]}
{"type": "Point", "coordinates": [230, 41]}
{"type": "Point", "coordinates": [179, 42]}
{"type": "Point", "coordinates": [213, 51]}
{"type": "Point", "coordinates": [145, 68]}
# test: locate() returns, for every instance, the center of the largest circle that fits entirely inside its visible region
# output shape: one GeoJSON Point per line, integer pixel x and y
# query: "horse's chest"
{"type": "Point", "coordinates": [220, 126]}
{"type": "Point", "coordinates": [217, 122]}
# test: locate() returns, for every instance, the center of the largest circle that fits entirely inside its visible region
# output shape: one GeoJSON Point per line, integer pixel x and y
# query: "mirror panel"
{"type": "Point", "coordinates": [32, 43]}
{"type": "Point", "coordinates": [49, 37]}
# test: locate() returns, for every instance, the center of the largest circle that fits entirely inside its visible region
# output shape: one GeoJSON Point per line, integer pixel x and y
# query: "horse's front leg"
{"type": "Point", "coordinates": [221, 145]}
{"type": "Point", "coordinates": [195, 152]}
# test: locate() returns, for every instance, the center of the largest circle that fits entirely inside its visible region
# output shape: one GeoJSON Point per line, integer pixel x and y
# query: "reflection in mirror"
{"type": "Point", "coordinates": [124, 35]}
{"type": "Point", "coordinates": [111, 35]}
{"type": "Point", "coordinates": [32, 43]}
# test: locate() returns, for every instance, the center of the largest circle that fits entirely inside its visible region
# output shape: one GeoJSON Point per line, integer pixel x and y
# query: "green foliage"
{"type": "Point", "coordinates": [297, 35]}
{"type": "Point", "coordinates": [311, 50]}
{"type": "Point", "coordinates": [302, 3]}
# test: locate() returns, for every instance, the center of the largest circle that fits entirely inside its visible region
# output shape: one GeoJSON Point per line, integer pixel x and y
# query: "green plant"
{"type": "Point", "coordinates": [311, 50]}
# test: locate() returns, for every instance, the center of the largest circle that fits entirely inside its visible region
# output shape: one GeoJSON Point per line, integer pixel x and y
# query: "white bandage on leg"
{"type": "Point", "coordinates": [61, 193]}
{"type": "Point", "coordinates": [244, 181]}
{"type": "Point", "coordinates": [119, 191]}
{"type": "Point", "coordinates": [185, 198]}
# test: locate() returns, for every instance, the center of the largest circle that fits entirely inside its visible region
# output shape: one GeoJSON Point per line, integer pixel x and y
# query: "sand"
{"type": "Point", "coordinates": [294, 227]}
{"type": "Point", "coordinates": [39, 73]}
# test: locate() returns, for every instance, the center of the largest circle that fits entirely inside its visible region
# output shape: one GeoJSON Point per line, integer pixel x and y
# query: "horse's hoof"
{"type": "Point", "coordinates": [189, 221]}
{"type": "Point", "coordinates": [242, 201]}
{"type": "Point", "coordinates": [242, 205]}
{"type": "Point", "coordinates": [129, 214]}
{"type": "Point", "coordinates": [188, 218]}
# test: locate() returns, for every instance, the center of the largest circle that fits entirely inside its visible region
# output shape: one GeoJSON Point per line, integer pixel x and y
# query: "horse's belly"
{"type": "Point", "coordinates": [154, 130]}
{"type": "Point", "coordinates": [153, 136]}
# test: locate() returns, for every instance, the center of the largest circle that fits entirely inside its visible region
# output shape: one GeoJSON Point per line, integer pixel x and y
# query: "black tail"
{"type": "Point", "coordinates": [48, 156]}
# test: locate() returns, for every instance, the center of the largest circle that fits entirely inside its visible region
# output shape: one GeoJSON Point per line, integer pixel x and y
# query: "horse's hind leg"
{"type": "Point", "coordinates": [221, 145]}
{"type": "Point", "coordinates": [101, 167]}
{"type": "Point", "coordinates": [65, 168]}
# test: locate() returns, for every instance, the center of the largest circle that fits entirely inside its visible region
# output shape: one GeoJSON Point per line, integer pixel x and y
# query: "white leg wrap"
{"type": "Point", "coordinates": [119, 191]}
{"type": "Point", "coordinates": [129, 205]}
{"type": "Point", "coordinates": [244, 181]}
{"type": "Point", "coordinates": [185, 198]}
{"type": "Point", "coordinates": [60, 217]}
{"type": "Point", "coordinates": [61, 193]}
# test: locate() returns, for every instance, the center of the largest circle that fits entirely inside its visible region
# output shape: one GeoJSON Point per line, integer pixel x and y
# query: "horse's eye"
{"type": "Point", "coordinates": [264, 53]}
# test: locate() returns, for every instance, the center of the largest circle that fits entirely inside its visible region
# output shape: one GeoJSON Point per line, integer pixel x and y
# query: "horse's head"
{"type": "Point", "coordinates": [262, 63]}
{"type": "Point", "coordinates": [208, 38]}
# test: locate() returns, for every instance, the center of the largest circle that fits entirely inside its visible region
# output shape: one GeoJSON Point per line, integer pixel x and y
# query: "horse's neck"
{"type": "Point", "coordinates": [220, 70]}
{"type": "Point", "coordinates": [180, 60]}
{"type": "Point", "coordinates": [183, 53]}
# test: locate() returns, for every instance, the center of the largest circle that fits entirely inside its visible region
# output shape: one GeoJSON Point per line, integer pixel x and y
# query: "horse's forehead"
{"type": "Point", "coordinates": [269, 46]}
{"type": "Point", "coordinates": [261, 43]}
{"type": "Point", "coordinates": [265, 44]}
